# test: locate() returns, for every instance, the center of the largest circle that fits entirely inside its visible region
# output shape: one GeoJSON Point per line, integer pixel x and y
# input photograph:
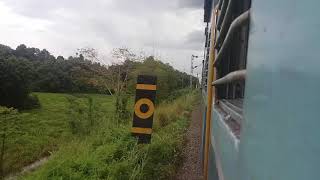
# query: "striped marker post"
{"type": "Point", "coordinates": [144, 108]}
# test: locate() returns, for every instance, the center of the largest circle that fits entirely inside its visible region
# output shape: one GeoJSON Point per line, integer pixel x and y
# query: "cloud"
{"type": "Point", "coordinates": [195, 39]}
{"type": "Point", "coordinates": [32, 8]}
{"type": "Point", "coordinates": [191, 3]}
{"type": "Point", "coordinates": [170, 29]}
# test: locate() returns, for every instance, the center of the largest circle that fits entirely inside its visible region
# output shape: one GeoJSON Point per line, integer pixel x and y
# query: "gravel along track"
{"type": "Point", "coordinates": [191, 166]}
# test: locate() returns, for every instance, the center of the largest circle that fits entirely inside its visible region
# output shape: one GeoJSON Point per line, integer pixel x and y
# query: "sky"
{"type": "Point", "coordinates": [171, 30]}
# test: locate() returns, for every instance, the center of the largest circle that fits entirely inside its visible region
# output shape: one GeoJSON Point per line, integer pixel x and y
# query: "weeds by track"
{"type": "Point", "coordinates": [111, 153]}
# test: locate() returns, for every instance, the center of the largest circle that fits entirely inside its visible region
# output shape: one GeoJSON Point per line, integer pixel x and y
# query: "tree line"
{"type": "Point", "coordinates": [28, 69]}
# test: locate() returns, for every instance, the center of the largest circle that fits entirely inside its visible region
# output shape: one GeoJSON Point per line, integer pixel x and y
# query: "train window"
{"type": "Point", "coordinates": [232, 29]}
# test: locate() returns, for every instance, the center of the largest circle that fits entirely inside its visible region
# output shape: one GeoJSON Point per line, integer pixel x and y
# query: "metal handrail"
{"type": "Point", "coordinates": [238, 22]}
{"type": "Point", "coordinates": [225, 24]}
{"type": "Point", "coordinates": [222, 13]}
{"type": "Point", "coordinates": [231, 77]}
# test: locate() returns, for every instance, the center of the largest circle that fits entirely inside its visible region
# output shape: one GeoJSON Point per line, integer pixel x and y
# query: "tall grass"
{"type": "Point", "coordinates": [111, 152]}
{"type": "Point", "coordinates": [39, 132]}
{"type": "Point", "coordinates": [172, 110]}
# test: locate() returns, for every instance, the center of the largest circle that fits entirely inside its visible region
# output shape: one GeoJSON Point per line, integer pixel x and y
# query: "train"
{"type": "Point", "coordinates": [260, 90]}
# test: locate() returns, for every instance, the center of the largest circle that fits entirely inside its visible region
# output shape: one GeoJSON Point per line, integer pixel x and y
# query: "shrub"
{"type": "Point", "coordinates": [178, 93]}
{"type": "Point", "coordinates": [121, 104]}
{"type": "Point", "coordinates": [77, 116]}
{"type": "Point", "coordinates": [31, 102]}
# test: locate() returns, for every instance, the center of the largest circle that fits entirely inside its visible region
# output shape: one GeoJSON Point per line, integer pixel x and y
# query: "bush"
{"type": "Point", "coordinates": [178, 93]}
{"type": "Point", "coordinates": [31, 102]}
{"type": "Point", "coordinates": [77, 115]}
{"type": "Point", "coordinates": [121, 104]}
{"type": "Point", "coordinates": [81, 112]}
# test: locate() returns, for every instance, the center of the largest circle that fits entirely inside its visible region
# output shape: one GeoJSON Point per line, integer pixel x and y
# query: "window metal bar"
{"type": "Point", "coordinates": [237, 23]}
{"type": "Point", "coordinates": [219, 4]}
{"type": "Point", "coordinates": [225, 24]}
{"type": "Point", "coordinates": [231, 77]}
{"type": "Point", "coordinates": [222, 13]}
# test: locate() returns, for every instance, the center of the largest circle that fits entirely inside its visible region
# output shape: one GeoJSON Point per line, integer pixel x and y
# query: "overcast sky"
{"type": "Point", "coordinates": [171, 30]}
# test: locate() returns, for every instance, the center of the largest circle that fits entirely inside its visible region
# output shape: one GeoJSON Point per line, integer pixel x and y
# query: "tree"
{"type": "Point", "coordinates": [5, 51]}
{"type": "Point", "coordinates": [60, 58]}
{"type": "Point", "coordinates": [92, 55]}
{"type": "Point", "coordinates": [125, 59]}
{"type": "Point", "coordinates": [28, 69]}
{"type": "Point", "coordinates": [167, 77]}
{"type": "Point", "coordinates": [15, 75]}
{"type": "Point", "coordinates": [120, 71]}
{"type": "Point", "coordinates": [45, 55]}
{"type": "Point", "coordinates": [21, 50]}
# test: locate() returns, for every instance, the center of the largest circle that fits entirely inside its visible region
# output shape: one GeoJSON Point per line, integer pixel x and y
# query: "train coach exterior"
{"type": "Point", "coordinates": [260, 84]}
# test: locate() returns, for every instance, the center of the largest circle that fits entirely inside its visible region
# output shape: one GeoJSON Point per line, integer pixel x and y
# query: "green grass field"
{"type": "Point", "coordinates": [89, 142]}
{"type": "Point", "coordinates": [41, 131]}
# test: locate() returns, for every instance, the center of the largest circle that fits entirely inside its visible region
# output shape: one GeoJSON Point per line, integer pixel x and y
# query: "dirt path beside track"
{"type": "Point", "coordinates": [191, 167]}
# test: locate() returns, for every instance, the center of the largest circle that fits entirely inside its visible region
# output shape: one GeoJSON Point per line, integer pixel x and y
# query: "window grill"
{"type": "Point", "coordinates": [232, 30]}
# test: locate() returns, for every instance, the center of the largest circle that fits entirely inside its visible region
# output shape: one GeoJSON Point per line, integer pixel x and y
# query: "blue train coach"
{"type": "Point", "coordinates": [260, 90]}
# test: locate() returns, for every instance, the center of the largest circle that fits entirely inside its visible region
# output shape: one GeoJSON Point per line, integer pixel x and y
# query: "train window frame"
{"type": "Point", "coordinates": [229, 96]}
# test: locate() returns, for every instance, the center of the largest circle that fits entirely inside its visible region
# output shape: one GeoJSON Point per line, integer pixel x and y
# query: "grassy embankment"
{"type": "Point", "coordinates": [36, 133]}
{"type": "Point", "coordinates": [106, 150]}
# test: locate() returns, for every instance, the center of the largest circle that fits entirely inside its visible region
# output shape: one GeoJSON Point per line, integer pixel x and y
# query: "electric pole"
{"type": "Point", "coordinates": [197, 81]}
{"type": "Point", "coordinates": [192, 58]}
{"type": "Point", "coordinates": [191, 71]}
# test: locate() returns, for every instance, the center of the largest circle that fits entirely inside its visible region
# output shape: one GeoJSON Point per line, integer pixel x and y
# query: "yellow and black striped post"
{"type": "Point", "coordinates": [144, 108]}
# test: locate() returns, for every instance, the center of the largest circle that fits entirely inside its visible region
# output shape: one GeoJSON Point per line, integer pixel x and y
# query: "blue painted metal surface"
{"type": "Point", "coordinates": [213, 172]}
{"type": "Point", "coordinates": [226, 146]}
{"type": "Point", "coordinates": [203, 132]}
{"type": "Point", "coordinates": [280, 134]}
{"type": "Point", "coordinates": [281, 127]}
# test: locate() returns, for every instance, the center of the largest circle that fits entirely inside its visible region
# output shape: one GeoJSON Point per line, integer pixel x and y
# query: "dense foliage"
{"type": "Point", "coordinates": [26, 69]}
